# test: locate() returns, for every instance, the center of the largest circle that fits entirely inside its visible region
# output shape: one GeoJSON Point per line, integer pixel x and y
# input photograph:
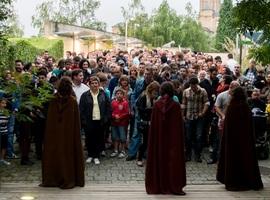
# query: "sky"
{"type": "Point", "coordinates": [109, 11]}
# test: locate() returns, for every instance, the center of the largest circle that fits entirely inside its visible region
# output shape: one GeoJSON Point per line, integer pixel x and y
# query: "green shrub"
{"type": "Point", "coordinates": [26, 49]}
{"type": "Point", "coordinates": [7, 52]}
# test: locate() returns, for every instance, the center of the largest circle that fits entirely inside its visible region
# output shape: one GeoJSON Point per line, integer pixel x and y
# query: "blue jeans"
{"type": "Point", "coordinates": [11, 124]}
{"type": "Point", "coordinates": [135, 140]}
{"type": "Point", "coordinates": [194, 132]}
{"type": "Point", "coordinates": [119, 133]}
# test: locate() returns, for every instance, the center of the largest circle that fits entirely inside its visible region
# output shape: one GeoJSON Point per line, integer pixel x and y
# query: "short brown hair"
{"type": "Point", "coordinates": [102, 76]}
{"type": "Point", "coordinates": [123, 78]}
{"type": "Point", "coordinates": [93, 78]}
{"type": "Point", "coordinates": [152, 86]}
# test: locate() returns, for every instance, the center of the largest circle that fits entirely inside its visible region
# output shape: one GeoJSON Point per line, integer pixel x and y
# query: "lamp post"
{"type": "Point", "coordinates": [126, 31]}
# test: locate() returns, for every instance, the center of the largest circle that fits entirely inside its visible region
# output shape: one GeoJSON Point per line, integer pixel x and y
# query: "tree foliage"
{"type": "Point", "coordinates": [225, 27]}
{"type": "Point", "coordinates": [30, 99]}
{"type": "Point", "coordinates": [164, 26]}
{"type": "Point", "coordinates": [77, 12]}
{"type": "Point", "coordinates": [14, 28]}
{"type": "Point", "coordinates": [254, 16]}
{"type": "Point", "coordinates": [134, 8]}
{"type": "Point", "coordinates": [5, 13]}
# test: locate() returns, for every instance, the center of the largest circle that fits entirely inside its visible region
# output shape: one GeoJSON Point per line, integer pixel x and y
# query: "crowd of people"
{"type": "Point", "coordinates": [118, 99]}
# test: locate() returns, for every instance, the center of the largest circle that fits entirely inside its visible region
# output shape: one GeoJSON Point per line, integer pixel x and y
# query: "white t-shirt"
{"type": "Point", "coordinates": [79, 90]}
{"type": "Point", "coordinates": [231, 64]}
{"type": "Point", "coordinates": [223, 100]}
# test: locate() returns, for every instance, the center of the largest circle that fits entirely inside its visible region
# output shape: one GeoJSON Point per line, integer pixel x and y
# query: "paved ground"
{"type": "Point", "coordinates": [119, 171]}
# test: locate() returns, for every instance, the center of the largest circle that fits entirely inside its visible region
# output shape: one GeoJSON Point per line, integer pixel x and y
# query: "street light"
{"type": "Point", "coordinates": [126, 31]}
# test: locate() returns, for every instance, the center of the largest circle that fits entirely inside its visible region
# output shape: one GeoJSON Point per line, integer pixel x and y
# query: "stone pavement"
{"type": "Point", "coordinates": [119, 171]}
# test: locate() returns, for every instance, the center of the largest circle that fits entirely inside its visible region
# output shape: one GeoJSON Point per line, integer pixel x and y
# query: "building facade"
{"type": "Point", "coordinates": [81, 39]}
{"type": "Point", "coordinates": [209, 14]}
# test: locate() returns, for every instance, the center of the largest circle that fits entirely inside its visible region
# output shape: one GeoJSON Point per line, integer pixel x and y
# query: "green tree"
{"type": "Point", "coordinates": [77, 12]}
{"type": "Point", "coordinates": [254, 16]}
{"type": "Point", "coordinates": [194, 36]}
{"type": "Point", "coordinates": [6, 50]}
{"type": "Point", "coordinates": [164, 25]}
{"type": "Point", "coordinates": [225, 24]}
{"type": "Point", "coordinates": [14, 28]}
{"type": "Point", "coordinates": [5, 13]}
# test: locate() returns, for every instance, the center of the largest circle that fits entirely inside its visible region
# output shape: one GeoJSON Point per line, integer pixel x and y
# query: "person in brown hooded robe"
{"type": "Point", "coordinates": [238, 166]}
{"type": "Point", "coordinates": [165, 168]}
{"type": "Point", "coordinates": [62, 161]}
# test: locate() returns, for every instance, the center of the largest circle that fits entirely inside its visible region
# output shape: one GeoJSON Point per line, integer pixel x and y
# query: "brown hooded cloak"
{"type": "Point", "coordinates": [165, 169]}
{"type": "Point", "coordinates": [63, 163]}
{"type": "Point", "coordinates": [238, 166]}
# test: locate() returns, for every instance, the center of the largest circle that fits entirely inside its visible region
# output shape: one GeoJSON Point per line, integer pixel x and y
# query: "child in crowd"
{"type": "Point", "coordinates": [120, 120]}
{"type": "Point", "coordinates": [3, 130]}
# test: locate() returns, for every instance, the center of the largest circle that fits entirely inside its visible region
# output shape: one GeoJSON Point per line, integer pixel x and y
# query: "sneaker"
{"type": "Point", "coordinates": [114, 154]}
{"type": "Point", "coordinates": [122, 154]}
{"type": "Point", "coordinates": [130, 158]}
{"type": "Point", "coordinates": [27, 162]}
{"type": "Point", "coordinates": [103, 154]}
{"type": "Point", "coordinates": [89, 160]}
{"type": "Point", "coordinates": [139, 163]}
{"type": "Point", "coordinates": [198, 159]}
{"type": "Point", "coordinates": [96, 161]}
{"type": "Point", "coordinates": [13, 156]}
{"type": "Point", "coordinates": [4, 162]}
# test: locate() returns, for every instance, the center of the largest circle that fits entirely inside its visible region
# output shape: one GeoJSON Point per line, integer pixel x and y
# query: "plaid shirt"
{"type": "Point", "coordinates": [193, 102]}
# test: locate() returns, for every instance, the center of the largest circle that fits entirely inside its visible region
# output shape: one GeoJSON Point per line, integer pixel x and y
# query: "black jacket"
{"type": "Point", "coordinates": [86, 107]}
{"type": "Point", "coordinates": [210, 89]}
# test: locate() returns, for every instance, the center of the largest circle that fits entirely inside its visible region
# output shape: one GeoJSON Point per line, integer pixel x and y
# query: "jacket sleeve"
{"type": "Point", "coordinates": [83, 107]}
{"type": "Point", "coordinates": [108, 109]}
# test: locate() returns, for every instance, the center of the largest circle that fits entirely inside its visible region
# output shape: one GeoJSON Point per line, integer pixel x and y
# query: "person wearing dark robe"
{"type": "Point", "coordinates": [62, 160]}
{"type": "Point", "coordinates": [238, 166]}
{"type": "Point", "coordinates": [165, 168]}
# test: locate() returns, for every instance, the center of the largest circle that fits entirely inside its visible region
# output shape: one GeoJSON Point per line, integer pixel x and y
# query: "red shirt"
{"type": "Point", "coordinates": [120, 112]}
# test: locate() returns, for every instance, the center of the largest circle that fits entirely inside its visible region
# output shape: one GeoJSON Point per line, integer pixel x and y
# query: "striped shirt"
{"type": "Point", "coordinates": [3, 124]}
{"type": "Point", "coordinates": [193, 102]}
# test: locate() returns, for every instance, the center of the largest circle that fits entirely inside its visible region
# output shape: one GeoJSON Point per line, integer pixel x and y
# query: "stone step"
{"type": "Point", "coordinates": [10, 191]}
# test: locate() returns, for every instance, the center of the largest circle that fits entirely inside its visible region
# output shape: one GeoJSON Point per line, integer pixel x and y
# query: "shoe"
{"type": "Point", "coordinates": [39, 157]}
{"type": "Point", "coordinates": [129, 158]}
{"type": "Point", "coordinates": [4, 162]}
{"type": "Point", "coordinates": [89, 160]}
{"type": "Point", "coordinates": [103, 154]}
{"type": "Point", "coordinates": [114, 154]}
{"type": "Point", "coordinates": [188, 158]}
{"type": "Point", "coordinates": [211, 161]}
{"type": "Point", "coordinates": [180, 193]}
{"type": "Point", "coordinates": [139, 163]}
{"type": "Point", "coordinates": [96, 161]}
{"type": "Point", "coordinates": [13, 156]}
{"type": "Point", "coordinates": [122, 154]}
{"type": "Point", "coordinates": [27, 162]}
{"type": "Point", "coordinates": [198, 159]}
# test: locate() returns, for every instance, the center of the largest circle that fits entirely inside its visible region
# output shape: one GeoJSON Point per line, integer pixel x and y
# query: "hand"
{"type": "Point", "coordinates": [201, 115]}
{"type": "Point", "coordinates": [184, 119]}
{"type": "Point", "coordinates": [222, 117]}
